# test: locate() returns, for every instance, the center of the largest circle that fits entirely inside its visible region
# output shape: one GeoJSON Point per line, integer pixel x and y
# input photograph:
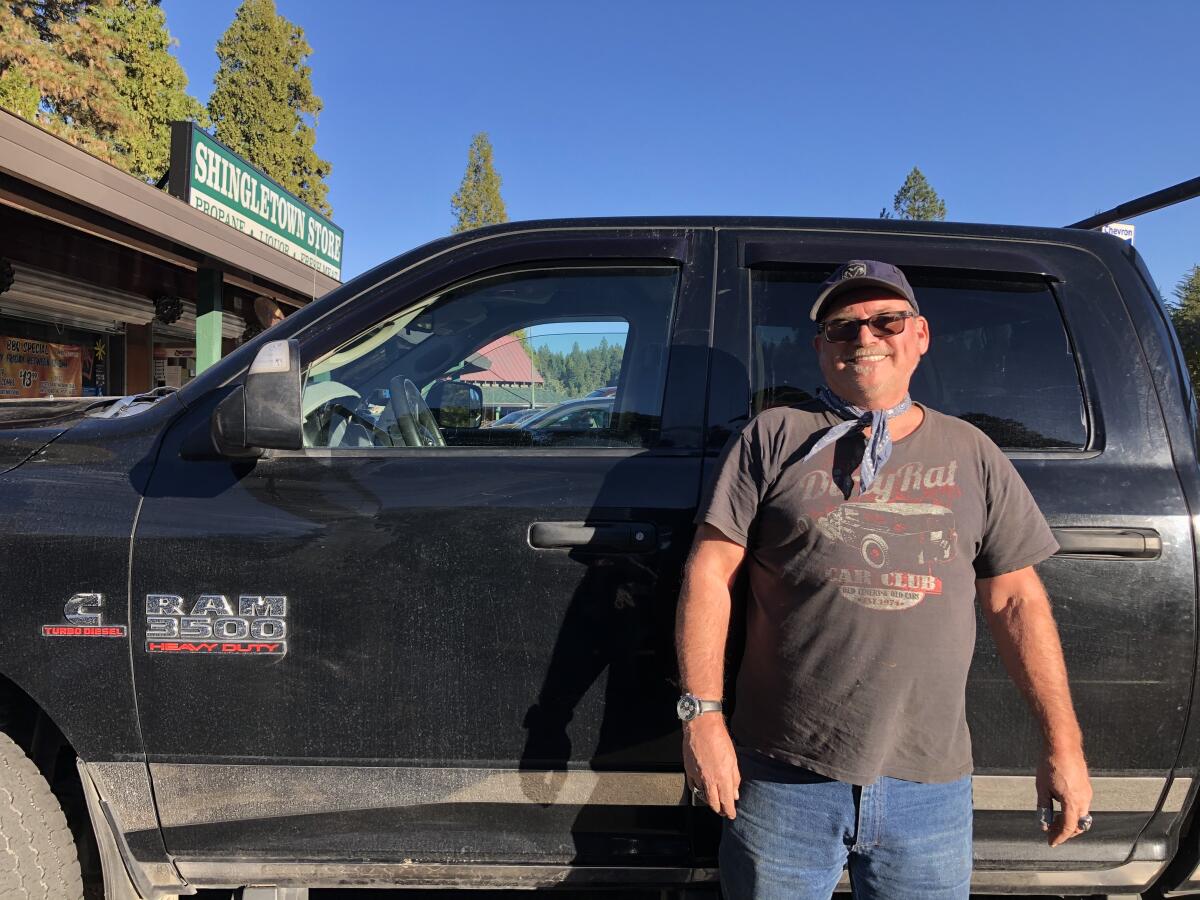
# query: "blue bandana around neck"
{"type": "Point", "coordinates": [879, 445]}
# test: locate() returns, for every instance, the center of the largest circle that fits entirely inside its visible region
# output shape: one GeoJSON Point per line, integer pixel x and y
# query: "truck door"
{"type": "Point", "coordinates": [386, 652]}
{"type": "Point", "coordinates": [1036, 352]}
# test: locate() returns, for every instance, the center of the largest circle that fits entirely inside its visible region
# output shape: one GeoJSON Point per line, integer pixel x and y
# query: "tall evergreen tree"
{"type": "Point", "coordinates": [916, 199]}
{"type": "Point", "coordinates": [65, 51]}
{"type": "Point", "coordinates": [1185, 314]}
{"type": "Point", "coordinates": [98, 73]}
{"type": "Point", "coordinates": [477, 201]}
{"type": "Point", "coordinates": [263, 105]}
{"type": "Point", "coordinates": [154, 85]}
{"type": "Point", "coordinates": [579, 372]}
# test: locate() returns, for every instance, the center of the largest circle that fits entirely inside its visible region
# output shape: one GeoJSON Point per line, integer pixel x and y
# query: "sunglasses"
{"type": "Point", "coordinates": [838, 331]}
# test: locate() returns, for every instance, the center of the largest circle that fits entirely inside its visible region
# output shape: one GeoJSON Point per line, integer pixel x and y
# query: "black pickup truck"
{"type": "Point", "coordinates": [314, 621]}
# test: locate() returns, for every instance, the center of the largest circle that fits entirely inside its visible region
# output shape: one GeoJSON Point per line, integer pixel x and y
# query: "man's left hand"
{"type": "Point", "coordinates": [1063, 776]}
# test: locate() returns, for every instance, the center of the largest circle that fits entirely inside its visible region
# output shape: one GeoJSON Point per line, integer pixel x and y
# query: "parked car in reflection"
{"type": "Point", "coordinates": [515, 418]}
{"type": "Point", "coordinates": [572, 415]}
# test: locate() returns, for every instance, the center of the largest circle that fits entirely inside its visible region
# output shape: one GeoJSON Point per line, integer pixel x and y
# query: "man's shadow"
{"type": "Point", "coordinates": [618, 632]}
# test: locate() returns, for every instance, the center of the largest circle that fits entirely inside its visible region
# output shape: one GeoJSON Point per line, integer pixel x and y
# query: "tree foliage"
{"type": "Point", "coordinates": [916, 199]}
{"type": "Point", "coordinates": [579, 372]}
{"type": "Point", "coordinates": [1185, 314]}
{"type": "Point", "coordinates": [263, 106]}
{"type": "Point", "coordinates": [477, 201]}
{"type": "Point", "coordinates": [154, 85]}
{"type": "Point", "coordinates": [66, 52]}
{"type": "Point", "coordinates": [98, 73]}
{"type": "Point", "coordinates": [18, 94]}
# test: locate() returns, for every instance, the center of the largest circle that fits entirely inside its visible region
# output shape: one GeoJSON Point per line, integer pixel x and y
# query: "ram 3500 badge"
{"type": "Point", "coordinates": [210, 624]}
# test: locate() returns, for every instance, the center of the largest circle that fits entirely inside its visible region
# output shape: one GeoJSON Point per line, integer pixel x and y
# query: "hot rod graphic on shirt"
{"type": "Point", "coordinates": [898, 537]}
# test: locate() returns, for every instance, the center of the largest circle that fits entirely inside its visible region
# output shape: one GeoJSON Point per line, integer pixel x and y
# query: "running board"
{"type": "Point", "coordinates": [1131, 877]}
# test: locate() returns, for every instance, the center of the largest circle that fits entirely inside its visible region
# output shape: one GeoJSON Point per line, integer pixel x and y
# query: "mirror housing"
{"type": "Point", "coordinates": [456, 404]}
{"type": "Point", "coordinates": [264, 412]}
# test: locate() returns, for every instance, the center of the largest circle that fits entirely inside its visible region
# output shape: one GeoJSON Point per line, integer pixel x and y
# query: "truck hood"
{"type": "Point", "coordinates": [28, 426]}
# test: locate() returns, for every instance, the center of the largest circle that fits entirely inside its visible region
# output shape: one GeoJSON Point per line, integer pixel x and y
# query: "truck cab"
{"type": "Point", "coordinates": [347, 635]}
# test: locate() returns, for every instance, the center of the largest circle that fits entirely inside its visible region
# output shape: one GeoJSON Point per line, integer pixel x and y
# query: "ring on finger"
{"type": "Point", "coordinates": [1085, 822]}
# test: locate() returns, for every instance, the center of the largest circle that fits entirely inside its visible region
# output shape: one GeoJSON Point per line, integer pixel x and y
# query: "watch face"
{"type": "Point", "coordinates": [688, 707]}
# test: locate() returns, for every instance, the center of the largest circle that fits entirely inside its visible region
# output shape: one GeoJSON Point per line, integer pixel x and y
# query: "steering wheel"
{"type": "Point", "coordinates": [414, 419]}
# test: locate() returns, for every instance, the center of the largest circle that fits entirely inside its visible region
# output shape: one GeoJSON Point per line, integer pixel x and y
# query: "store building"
{"type": "Point", "coordinates": [508, 377]}
{"type": "Point", "coordinates": [109, 285]}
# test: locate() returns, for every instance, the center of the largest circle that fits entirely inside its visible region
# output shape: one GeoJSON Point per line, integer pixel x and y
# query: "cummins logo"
{"type": "Point", "coordinates": [85, 613]}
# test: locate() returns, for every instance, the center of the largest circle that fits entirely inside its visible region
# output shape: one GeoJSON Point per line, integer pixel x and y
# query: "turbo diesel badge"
{"type": "Point", "coordinates": [85, 612]}
{"type": "Point", "coordinates": [211, 624]}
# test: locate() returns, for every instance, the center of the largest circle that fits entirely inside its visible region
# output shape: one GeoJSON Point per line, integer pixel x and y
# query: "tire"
{"type": "Point", "coordinates": [38, 860]}
{"type": "Point", "coordinates": [874, 551]}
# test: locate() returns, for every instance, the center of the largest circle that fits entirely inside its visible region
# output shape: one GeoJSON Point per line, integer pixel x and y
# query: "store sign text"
{"type": "Point", "coordinates": [225, 187]}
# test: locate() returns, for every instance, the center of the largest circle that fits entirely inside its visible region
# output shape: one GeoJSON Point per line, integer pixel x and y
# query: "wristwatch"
{"type": "Point", "coordinates": [690, 707]}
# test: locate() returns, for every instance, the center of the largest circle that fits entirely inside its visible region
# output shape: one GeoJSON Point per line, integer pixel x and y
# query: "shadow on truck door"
{"type": "Point", "coordinates": [613, 656]}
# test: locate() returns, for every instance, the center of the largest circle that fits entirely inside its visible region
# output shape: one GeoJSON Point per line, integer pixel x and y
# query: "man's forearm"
{"type": "Point", "coordinates": [1018, 614]}
{"type": "Point", "coordinates": [702, 628]}
{"type": "Point", "coordinates": [1026, 637]}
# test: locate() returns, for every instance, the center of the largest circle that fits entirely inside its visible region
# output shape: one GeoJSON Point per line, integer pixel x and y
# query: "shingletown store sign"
{"type": "Point", "coordinates": [207, 175]}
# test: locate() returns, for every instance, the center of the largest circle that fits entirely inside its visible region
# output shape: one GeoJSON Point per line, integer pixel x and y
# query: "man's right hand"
{"type": "Point", "coordinates": [711, 762]}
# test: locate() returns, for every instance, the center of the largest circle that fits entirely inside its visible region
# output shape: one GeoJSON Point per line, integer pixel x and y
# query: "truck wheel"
{"type": "Point", "coordinates": [37, 853]}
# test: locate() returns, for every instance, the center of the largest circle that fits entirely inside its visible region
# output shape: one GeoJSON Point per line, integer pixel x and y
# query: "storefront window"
{"type": "Point", "coordinates": [45, 360]}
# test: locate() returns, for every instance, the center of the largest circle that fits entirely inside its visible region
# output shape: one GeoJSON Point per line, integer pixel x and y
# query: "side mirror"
{"type": "Point", "coordinates": [456, 404]}
{"type": "Point", "coordinates": [264, 412]}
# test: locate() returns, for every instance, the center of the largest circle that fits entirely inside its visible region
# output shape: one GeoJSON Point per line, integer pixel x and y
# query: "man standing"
{"type": "Point", "coordinates": [868, 525]}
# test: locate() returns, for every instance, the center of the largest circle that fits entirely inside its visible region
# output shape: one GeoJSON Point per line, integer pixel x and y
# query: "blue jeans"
{"type": "Point", "coordinates": [795, 830]}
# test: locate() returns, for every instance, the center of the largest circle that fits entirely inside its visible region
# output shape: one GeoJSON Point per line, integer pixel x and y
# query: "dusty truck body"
{"type": "Point", "coordinates": [306, 622]}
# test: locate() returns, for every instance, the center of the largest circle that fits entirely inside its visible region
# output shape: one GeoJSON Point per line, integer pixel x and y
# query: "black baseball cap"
{"type": "Point", "coordinates": [860, 273]}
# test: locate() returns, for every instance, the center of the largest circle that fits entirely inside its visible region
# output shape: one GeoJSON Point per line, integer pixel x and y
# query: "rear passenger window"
{"type": "Point", "coordinates": [999, 356]}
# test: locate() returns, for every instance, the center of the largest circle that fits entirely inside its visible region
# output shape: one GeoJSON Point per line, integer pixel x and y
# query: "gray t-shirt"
{"type": "Point", "coordinates": [861, 615]}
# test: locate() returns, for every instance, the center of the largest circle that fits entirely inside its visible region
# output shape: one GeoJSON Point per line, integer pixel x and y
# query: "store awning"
{"type": "Point", "coordinates": [36, 293]}
{"type": "Point", "coordinates": [48, 177]}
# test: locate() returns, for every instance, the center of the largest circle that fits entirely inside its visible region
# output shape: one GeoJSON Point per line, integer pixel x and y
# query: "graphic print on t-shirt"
{"type": "Point", "coordinates": [899, 542]}
{"type": "Point", "coordinates": [890, 548]}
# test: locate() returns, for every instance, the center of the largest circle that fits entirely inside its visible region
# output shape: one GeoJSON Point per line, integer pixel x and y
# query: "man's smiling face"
{"type": "Point", "coordinates": [869, 371]}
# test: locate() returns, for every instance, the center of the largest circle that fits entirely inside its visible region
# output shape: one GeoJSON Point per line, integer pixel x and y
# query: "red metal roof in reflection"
{"type": "Point", "coordinates": [510, 364]}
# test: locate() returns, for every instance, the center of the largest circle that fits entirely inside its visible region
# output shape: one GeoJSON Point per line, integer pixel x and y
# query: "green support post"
{"type": "Point", "coordinates": [209, 285]}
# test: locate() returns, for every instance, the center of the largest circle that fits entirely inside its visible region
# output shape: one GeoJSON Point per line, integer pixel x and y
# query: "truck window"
{"type": "Point", "coordinates": [999, 356]}
{"type": "Point", "coordinates": [563, 357]}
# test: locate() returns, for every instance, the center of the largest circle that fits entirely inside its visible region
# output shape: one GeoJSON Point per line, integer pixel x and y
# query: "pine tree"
{"type": "Point", "coordinates": [154, 85]}
{"type": "Point", "coordinates": [18, 94]}
{"type": "Point", "coordinates": [916, 199]}
{"type": "Point", "coordinates": [1185, 314]}
{"type": "Point", "coordinates": [263, 101]}
{"type": "Point", "coordinates": [67, 53]}
{"type": "Point", "coordinates": [477, 201]}
{"type": "Point", "coordinates": [98, 73]}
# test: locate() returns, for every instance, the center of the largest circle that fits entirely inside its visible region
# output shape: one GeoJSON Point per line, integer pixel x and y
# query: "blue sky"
{"type": "Point", "coordinates": [1017, 112]}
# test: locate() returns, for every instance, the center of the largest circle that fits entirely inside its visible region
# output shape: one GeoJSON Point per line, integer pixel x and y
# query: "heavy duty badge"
{"type": "Point", "coordinates": [212, 625]}
{"type": "Point", "coordinates": [85, 612]}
